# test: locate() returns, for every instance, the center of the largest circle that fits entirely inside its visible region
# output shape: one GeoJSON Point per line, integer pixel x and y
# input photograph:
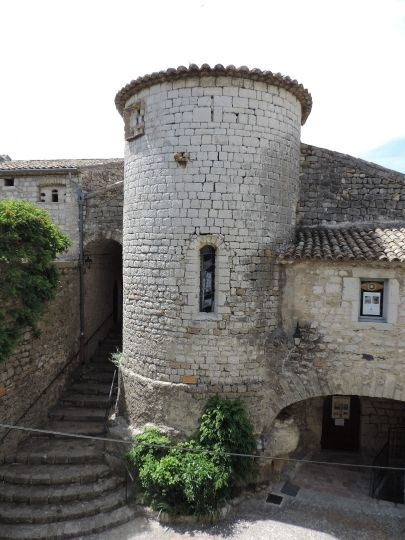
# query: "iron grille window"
{"type": "Point", "coordinates": [207, 279]}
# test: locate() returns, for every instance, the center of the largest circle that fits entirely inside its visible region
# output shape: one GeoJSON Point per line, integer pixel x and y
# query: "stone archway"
{"type": "Point", "coordinates": [102, 290]}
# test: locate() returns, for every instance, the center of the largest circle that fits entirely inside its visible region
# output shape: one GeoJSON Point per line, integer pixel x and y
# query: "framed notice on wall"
{"type": "Point", "coordinates": [371, 299]}
{"type": "Point", "coordinates": [341, 407]}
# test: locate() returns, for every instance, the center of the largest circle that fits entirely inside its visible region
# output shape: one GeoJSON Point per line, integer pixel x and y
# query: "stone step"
{"type": "Point", "coordinates": [51, 513]}
{"type": "Point", "coordinates": [101, 367]}
{"type": "Point", "coordinates": [69, 529]}
{"type": "Point", "coordinates": [96, 376]}
{"type": "Point", "coordinates": [38, 450]}
{"type": "Point", "coordinates": [59, 493]}
{"type": "Point", "coordinates": [21, 473]}
{"type": "Point", "coordinates": [95, 429]}
{"type": "Point", "coordinates": [77, 414]}
{"type": "Point", "coordinates": [90, 389]}
{"type": "Point", "coordinates": [84, 400]}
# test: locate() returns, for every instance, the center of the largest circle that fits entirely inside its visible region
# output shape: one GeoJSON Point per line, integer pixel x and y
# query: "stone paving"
{"type": "Point", "coordinates": [332, 503]}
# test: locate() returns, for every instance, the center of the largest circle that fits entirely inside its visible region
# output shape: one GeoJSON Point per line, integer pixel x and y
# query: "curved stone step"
{"type": "Point", "coordinates": [90, 389]}
{"type": "Point", "coordinates": [84, 400]}
{"type": "Point", "coordinates": [50, 513]}
{"type": "Point", "coordinates": [39, 450]}
{"type": "Point", "coordinates": [77, 414]}
{"type": "Point", "coordinates": [79, 428]}
{"type": "Point", "coordinates": [95, 376]}
{"type": "Point", "coordinates": [20, 473]}
{"type": "Point", "coordinates": [59, 493]}
{"type": "Point", "coordinates": [69, 529]}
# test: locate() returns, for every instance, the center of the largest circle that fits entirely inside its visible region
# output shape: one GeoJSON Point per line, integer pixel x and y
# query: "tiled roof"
{"type": "Point", "coordinates": [368, 244]}
{"type": "Point", "coordinates": [182, 72]}
{"type": "Point", "coordinates": [52, 164]}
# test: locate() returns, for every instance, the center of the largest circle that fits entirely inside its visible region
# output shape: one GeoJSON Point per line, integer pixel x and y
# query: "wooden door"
{"type": "Point", "coordinates": [341, 423]}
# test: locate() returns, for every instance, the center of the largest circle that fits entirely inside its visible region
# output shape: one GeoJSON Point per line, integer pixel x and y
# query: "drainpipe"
{"type": "Point", "coordinates": [81, 197]}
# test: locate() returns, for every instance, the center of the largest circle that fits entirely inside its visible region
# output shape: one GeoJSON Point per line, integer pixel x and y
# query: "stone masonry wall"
{"type": "Point", "coordinates": [64, 212]}
{"type": "Point", "coordinates": [338, 354]}
{"type": "Point", "coordinates": [103, 215]}
{"type": "Point", "coordinates": [337, 188]}
{"type": "Point", "coordinates": [37, 361]}
{"type": "Point", "coordinates": [217, 165]}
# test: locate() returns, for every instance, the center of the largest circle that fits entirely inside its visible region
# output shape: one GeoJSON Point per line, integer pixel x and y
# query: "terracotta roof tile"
{"type": "Point", "coordinates": [182, 72]}
{"type": "Point", "coordinates": [368, 244]}
{"type": "Point", "coordinates": [51, 164]}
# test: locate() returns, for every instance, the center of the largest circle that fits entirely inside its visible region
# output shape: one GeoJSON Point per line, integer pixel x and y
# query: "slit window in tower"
{"type": "Point", "coordinates": [55, 195]}
{"type": "Point", "coordinates": [207, 279]}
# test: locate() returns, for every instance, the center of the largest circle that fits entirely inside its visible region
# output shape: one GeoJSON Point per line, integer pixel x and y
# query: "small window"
{"type": "Point", "coordinates": [9, 182]}
{"type": "Point", "coordinates": [55, 195]}
{"type": "Point", "coordinates": [42, 197]}
{"type": "Point", "coordinates": [207, 279]}
{"type": "Point", "coordinates": [134, 121]}
{"type": "Point", "coordinates": [372, 300]}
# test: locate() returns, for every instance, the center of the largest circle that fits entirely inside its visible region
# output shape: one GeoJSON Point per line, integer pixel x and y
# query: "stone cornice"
{"type": "Point", "coordinates": [182, 72]}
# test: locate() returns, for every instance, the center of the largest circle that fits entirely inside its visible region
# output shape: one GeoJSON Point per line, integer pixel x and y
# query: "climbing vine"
{"type": "Point", "coordinates": [29, 242]}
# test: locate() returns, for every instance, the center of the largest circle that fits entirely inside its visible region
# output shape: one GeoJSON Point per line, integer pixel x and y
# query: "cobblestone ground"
{"type": "Point", "coordinates": [309, 515]}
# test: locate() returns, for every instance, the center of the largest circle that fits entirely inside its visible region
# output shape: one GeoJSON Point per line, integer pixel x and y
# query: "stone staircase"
{"type": "Point", "coordinates": [61, 487]}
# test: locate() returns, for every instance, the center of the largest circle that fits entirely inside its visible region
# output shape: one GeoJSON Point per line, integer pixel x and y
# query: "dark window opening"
{"type": "Point", "coordinates": [9, 182]}
{"type": "Point", "coordinates": [43, 197]}
{"type": "Point", "coordinates": [55, 196]}
{"type": "Point", "coordinates": [207, 279]}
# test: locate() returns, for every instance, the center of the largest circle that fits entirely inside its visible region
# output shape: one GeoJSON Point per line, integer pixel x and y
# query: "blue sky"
{"type": "Point", "coordinates": [391, 155]}
{"type": "Point", "coordinates": [63, 61]}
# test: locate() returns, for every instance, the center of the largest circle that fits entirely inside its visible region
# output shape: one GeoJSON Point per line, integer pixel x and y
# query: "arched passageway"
{"type": "Point", "coordinates": [102, 291]}
{"type": "Point", "coordinates": [355, 430]}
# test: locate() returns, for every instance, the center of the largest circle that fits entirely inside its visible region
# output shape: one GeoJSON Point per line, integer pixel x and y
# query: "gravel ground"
{"type": "Point", "coordinates": [308, 516]}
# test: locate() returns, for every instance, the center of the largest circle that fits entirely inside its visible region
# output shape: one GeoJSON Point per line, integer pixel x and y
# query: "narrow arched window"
{"type": "Point", "coordinates": [207, 279]}
{"type": "Point", "coordinates": [55, 196]}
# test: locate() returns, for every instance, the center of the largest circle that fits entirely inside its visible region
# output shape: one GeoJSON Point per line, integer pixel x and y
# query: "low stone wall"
{"type": "Point", "coordinates": [37, 361]}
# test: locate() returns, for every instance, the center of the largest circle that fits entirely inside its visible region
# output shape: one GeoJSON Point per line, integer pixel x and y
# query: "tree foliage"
{"type": "Point", "coordinates": [29, 242]}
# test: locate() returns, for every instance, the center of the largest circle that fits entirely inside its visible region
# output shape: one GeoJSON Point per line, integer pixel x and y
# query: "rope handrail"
{"type": "Point", "coordinates": [200, 450]}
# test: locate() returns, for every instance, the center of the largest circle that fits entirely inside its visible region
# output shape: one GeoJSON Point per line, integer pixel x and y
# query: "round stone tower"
{"type": "Point", "coordinates": [211, 186]}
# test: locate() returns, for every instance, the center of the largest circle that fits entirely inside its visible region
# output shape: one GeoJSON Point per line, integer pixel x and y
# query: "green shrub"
{"type": "Point", "coordinates": [224, 425]}
{"type": "Point", "coordinates": [29, 242]}
{"type": "Point", "coordinates": [151, 443]}
{"type": "Point", "coordinates": [186, 479]}
{"type": "Point", "coordinates": [195, 477]}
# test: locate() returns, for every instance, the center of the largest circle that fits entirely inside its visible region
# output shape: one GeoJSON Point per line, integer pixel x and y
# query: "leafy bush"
{"type": "Point", "coordinates": [187, 479]}
{"type": "Point", "coordinates": [151, 443]}
{"type": "Point", "coordinates": [194, 477]}
{"type": "Point", "coordinates": [29, 242]}
{"type": "Point", "coordinates": [224, 424]}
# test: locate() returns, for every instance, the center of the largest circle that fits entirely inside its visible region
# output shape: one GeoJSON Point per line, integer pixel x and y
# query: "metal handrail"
{"type": "Point", "coordinates": [128, 472]}
{"type": "Point", "coordinates": [59, 373]}
{"type": "Point", "coordinates": [108, 407]}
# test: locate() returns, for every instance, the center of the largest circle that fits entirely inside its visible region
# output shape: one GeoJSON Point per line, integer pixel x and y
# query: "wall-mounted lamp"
{"type": "Point", "coordinates": [297, 334]}
{"type": "Point", "coordinates": [87, 261]}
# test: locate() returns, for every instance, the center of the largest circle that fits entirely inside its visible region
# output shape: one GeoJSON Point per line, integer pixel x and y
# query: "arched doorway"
{"type": "Point", "coordinates": [341, 423]}
{"type": "Point", "coordinates": [102, 291]}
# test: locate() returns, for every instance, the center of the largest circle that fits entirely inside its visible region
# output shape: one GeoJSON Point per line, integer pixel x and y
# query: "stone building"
{"type": "Point", "coordinates": [254, 266]}
{"type": "Point", "coordinates": [238, 238]}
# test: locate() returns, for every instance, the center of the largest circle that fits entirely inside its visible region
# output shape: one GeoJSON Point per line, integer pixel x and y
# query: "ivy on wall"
{"type": "Point", "coordinates": [29, 242]}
